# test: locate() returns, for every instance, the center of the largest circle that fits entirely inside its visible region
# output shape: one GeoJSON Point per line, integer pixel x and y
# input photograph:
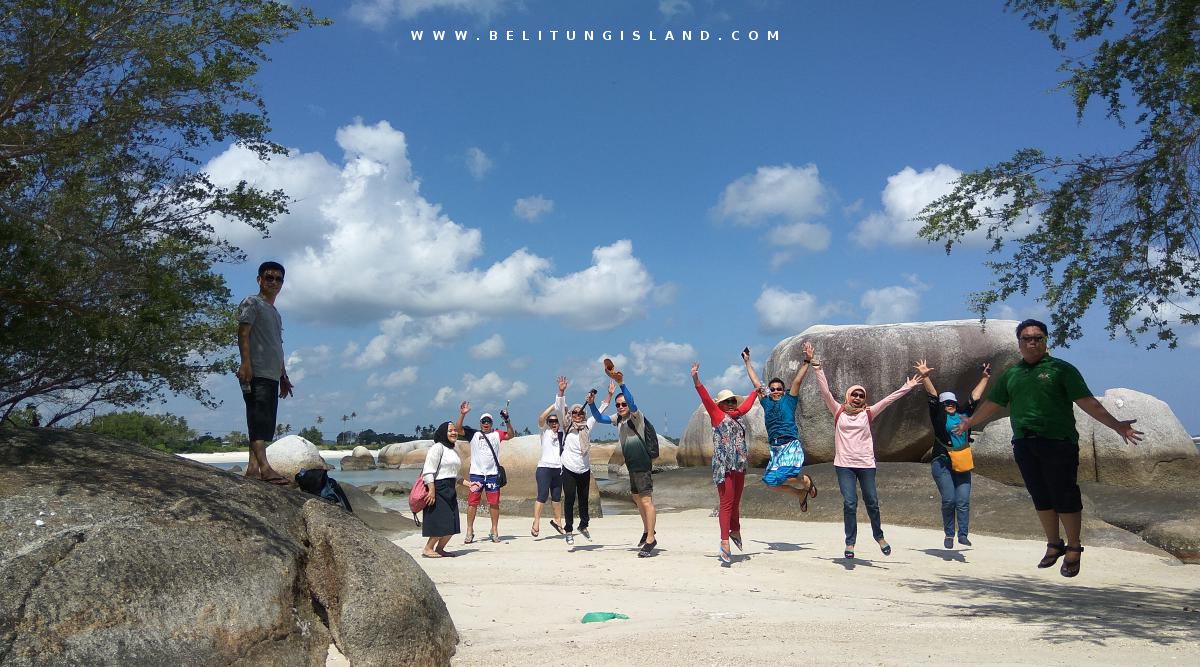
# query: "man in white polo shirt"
{"type": "Point", "coordinates": [484, 477]}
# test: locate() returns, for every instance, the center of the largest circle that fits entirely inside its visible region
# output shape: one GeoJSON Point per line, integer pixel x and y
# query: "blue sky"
{"type": "Point", "coordinates": [474, 218]}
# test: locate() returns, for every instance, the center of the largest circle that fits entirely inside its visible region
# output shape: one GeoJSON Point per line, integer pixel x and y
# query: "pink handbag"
{"type": "Point", "coordinates": [416, 498]}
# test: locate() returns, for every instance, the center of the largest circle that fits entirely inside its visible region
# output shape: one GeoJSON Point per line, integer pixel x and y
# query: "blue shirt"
{"type": "Point", "coordinates": [781, 419]}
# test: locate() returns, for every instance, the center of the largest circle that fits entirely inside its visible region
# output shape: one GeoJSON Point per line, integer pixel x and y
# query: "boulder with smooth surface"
{"type": "Point", "coordinates": [393, 454]}
{"type": "Point", "coordinates": [881, 357]}
{"type": "Point", "coordinates": [291, 454]}
{"type": "Point", "coordinates": [696, 445]}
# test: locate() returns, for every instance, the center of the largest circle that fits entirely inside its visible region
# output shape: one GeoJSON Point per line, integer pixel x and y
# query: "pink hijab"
{"type": "Point", "coordinates": [849, 409]}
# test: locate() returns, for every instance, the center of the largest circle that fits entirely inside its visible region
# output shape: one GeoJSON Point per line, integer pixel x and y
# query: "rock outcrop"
{"type": "Point", "coordinates": [393, 455]}
{"type": "Point", "coordinates": [696, 446]}
{"type": "Point", "coordinates": [113, 553]}
{"type": "Point", "coordinates": [291, 454]}
{"type": "Point", "coordinates": [880, 358]}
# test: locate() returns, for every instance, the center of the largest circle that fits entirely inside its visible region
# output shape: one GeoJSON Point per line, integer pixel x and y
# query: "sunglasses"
{"type": "Point", "coordinates": [485, 421]}
{"type": "Point", "coordinates": [776, 389]}
{"type": "Point", "coordinates": [551, 421]}
{"type": "Point", "coordinates": [268, 278]}
{"type": "Point", "coordinates": [858, 394]}
{"type": "Point", "coordinates": [577, 412]}
{"type": "Point", "coordinates": [622, 405]}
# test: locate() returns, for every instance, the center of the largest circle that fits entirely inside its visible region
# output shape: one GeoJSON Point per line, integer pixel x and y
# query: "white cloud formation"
{"type": "Point", "coordinates": [478, 162]}
{"type": "Point", "coordinates": [672, 8]}
{"type": "Point", "coordinates": [407, 337]}
{"type": "Point", "coordinates": [490, 348]}
{"type": "Point", "coordinates": [532, 208]}
{"type": "Point", "coordinates": [889, 305]}
{"type": "Point", "coordinates": [784, 191]}
{"type": "Point", "coordinates": [444, 397]}
{"type": "Point", "coordinates": [377, 13]}
{"type": "Point", "coordinates": [780, 311]}
{"type": "Point", "coordinates": [734, 378]}
{"type": "Point", "coordinates": [906, 194]}
{"type": "Point", "coordinates": [303, 361]}
{"type": "Point", "coordinates": [492, 386]}
{"type": "Point", "coordinates": [801, 235]}
{"type": "Point", "coordinates": [365, 245]}
{"type": "Point", "coordinates": [662, 362]}
{"type": "Point", "coordinates": [403, 377]}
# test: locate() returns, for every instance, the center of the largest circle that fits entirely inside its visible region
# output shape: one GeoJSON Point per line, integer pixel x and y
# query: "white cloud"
{"type": "Point", "coordinates": [784, 191]}
{"type": "Point", "coordinates": [734, 378]}
{"type": "Point", "coordinates": [672, 8]}
{"type": "Point", "coordinates": [780, 311]}
{"type": "Point", "coordinates": [488, 349]}
{"type": "Point", "coordinates": [906, 194]}
{"type": "Point", "coordinates": [1192, 340]}
{"type": "Point", "coordinates": [519, 363]}
{"type": "Point", "coordinates": [404, 376]}
{"type": "Point", "coordinates": [491, 386]}
{"type": "Point", "coordinates": [378, 13]}
{"type": "Point", "coordinates": [444, 397]}
{"type": "Point", "coordinates": [303, 361]}
{"type": "Point", "coordinates": [661, 361]}
{"type": "Point", "coordinates": [408, 337]}
{"type": "Point", "coordinates": [801, 235]}
{"type": "Point", "coordinates": [364, 245]}
{"type": "Point", "coordinates": [532, 208]}
{"type": "Point", "coordinates": [478, 163]}
{"type": "Point", "coordinates": [889, 305]}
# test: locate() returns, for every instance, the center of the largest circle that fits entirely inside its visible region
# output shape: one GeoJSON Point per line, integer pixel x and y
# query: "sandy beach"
{"type": "Point", "coordinates": [791, 597]}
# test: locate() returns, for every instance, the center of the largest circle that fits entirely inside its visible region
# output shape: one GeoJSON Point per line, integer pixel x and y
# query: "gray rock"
{"type": "Point", "coordinates": [357, 463]}
{"type": "Point", "coordinates": [148, 558]}
{"type": "Point", "coordinates": [362, 453]}
{"type": "Point", "coordinates": [696, 446]}
{"type": "Point", "coordinates": [880, 358]}
{"type": "Point", "coordinates": [391, 488]}
{"type": "Point", "coordinates": [382, 608]}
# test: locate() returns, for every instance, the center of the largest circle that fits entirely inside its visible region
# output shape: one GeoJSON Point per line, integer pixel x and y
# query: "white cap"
{"type": "Point", "coordinates": [947, 396]}
{"type": "Point", "coordinates": [487, 416]}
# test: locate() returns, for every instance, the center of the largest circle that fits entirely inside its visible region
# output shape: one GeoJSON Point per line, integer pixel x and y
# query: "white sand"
{"type": "Point", "coordinates": [792, 598]}
{"type": "Point", "coordinates": [244, 456]}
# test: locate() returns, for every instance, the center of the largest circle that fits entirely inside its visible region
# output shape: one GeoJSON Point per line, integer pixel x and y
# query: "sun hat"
{"type": "Point", "coordinates": [947, 396]}
{"type": "Point", "coordinates": [724, 395]}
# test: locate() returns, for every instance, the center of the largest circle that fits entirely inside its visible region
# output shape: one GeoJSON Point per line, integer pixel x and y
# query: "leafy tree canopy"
{"type": "Point", "coordinates": [107, 293]}
{"type": "Point", "coordinates": [1121, 228]}
{"type": "Point", "coordinates": [169, 433]}
{"type": "Point", "coordinates": [313, 435]}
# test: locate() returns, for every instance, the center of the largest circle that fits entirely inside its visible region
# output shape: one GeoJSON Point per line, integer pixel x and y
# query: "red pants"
{"type": "Point", "coordinates": [730, 494]}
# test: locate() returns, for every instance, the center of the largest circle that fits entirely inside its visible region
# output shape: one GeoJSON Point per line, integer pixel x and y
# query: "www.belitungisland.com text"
{"type": "Point", "coordinates": [593, 36]}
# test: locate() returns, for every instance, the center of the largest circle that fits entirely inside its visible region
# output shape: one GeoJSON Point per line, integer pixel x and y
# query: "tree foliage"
{"type": "Point", "coordinates": [1119, 227]}
{"type": "Point", "coordinates": [107, 293]}
{"type": "Point", "coordinates": [313, 435]}
{"type": "Point", "coordinates": [168, 433]}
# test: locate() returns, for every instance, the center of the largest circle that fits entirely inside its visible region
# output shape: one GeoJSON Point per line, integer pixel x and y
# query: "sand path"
{"type": "Point", "coordinates": [792, 597]}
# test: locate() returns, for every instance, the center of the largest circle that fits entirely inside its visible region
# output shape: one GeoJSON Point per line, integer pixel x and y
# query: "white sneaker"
{"type": "Point", "coordinates": [570, 538]}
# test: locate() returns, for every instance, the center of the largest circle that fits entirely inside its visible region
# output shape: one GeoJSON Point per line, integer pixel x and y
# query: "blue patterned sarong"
{"type": "Point", "coordinates": [787, 462]}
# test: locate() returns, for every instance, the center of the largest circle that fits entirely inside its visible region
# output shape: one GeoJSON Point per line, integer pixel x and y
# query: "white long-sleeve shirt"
{"type": "Point", "coordinates": [441, 462]}
{"type": "Point", "coordinates": [575, 449]}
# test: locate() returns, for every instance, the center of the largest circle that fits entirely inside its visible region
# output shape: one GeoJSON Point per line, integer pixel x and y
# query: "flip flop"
{"type": "Point", "coordinates": [848, 553]}
{"type": "Point", "coordinates": [737, 541]}
{"type": "Point", "coordinates": [534, 531]}
{"type": "Point", "coordinates": [277, 481]}
{"type": "Point", "coordinates": [1068, 568]}
{"type": "Point", "coordinates": [725, 555]}
{"type": "Point", "coordinates": [424, 555]}
{"type": "Point", "coordinates": [447, 554]}
{"type": "Point", "coordinates": [812, 487]}
{"type": "Point", "coordinates": [804, 503]}
{"type": "Point", "coordinates": [469, 538]}
{"type": "Point", "coordinates": [555, 526]}
{"type": "Point", "coordinates": [885, 548]}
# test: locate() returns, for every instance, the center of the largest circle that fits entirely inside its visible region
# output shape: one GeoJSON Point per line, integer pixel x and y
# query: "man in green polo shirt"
{"type": "Point", "coordinates": [1039, 392]}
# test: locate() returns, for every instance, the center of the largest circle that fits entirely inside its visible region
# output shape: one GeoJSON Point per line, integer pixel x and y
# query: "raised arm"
{"type": "Point", "coordinates": [715, 415]}
{"type": "Point", "coordinates": [1124, 428]}
{"type": "Point", "coordinates": [463, 409]}
{"type": "Point", "coordinates": [542, 417]}
{"type": "Point", "coordinates": [754, 381]}
{"type": "Point", "coordinates": [924, 370]}
{"type": "Point", "coordinates": [808, 355]}
{"type": "Point", "coordinates": [830, 404]}
{"type": "Point", "coordinates": [612, 389]}
{"type": "Point", "coordinates": [600, 417]}
{"type": "Point", "coordinates": [895, 395]}
{"type": "Point", "coordinates": [629, 398]}
{"type": "Point", "coordinates": [977, 392]}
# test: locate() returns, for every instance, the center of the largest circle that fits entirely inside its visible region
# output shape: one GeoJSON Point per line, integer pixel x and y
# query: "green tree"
{"type": "Point", "coordinates": [313, 435]}
{"type": "Point", "coordinates": [1120, 227]}
{"type": "Point", "coordinates": [237, 439]}
{"type": "Point", "coordinates": [107, 293]}
{"type": "Point", "coordinates": [169, 433]}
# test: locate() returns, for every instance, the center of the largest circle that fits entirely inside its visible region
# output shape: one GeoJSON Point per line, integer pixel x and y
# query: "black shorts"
{"type": "Point", "coordinates": [262, 407]}
{"type": "Point", "coordinates": [1050, 469]}
{"type": "Point", "coordinates": [641, 483]}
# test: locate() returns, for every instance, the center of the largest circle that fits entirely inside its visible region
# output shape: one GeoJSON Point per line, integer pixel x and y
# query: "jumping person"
{"type": "Point", "coordinates": [945, 411]}
{"type": "Point", "coordinates": [1039, 391]}
{"type": "Point", "coordinates": [731, 450]}
{"type": "Point", "coordinates": [577, 467]}
{"type": "Point", "coordinates": [439, 519]}
{"type": "Point", "coordinates": [548, 473]}
{"type": "Point", "coordinates": [262, 374]}
{"type": "Point", "coordinates": [484, 477]}
{"type": "Point", "coordinates": [783, 436]}
{"type": "Point", "coordinates": [631, 426]}
{"type": "Point", "coordinates": [854, 454]}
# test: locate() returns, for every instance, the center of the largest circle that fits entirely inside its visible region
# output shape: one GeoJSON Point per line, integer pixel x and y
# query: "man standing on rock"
{"type": "Point", "coordinates": [1039, 391]}
{"type": "Point", "coordinates": [484, 477]}
{"type": "Point", "coordinates": [262, 374]}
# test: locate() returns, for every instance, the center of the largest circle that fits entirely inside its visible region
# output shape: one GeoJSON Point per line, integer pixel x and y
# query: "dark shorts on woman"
{"type": "Point", "coordinates": [549, 484]}
{"type": "Point", "coordinates": [441, 519]}
{"type": "Point", "coordinates": [1050, 469]}
{"type": "Point", "coordinates": [641, 483]}
{"type": "Point", "coordinates": [262, 407]}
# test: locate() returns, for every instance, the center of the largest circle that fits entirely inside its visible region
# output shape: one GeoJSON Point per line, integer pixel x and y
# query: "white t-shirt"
{"type": "Point", "coordinates": [482, 461]}
{"type": "Point", "coordinates": [574, 458]}
{"type": "Point", "coordinates": [550, 458]}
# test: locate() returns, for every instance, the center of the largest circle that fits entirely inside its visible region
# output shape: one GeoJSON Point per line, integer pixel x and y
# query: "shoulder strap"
{"type": "Point", "coordinates": [490, 448]}
{"type": "Point", "coordinates": [642, 438]}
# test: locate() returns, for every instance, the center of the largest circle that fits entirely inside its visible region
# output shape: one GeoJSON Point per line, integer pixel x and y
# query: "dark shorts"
{"type": "Point", "coordinates": [549, 484]}
{"type": "Point", "coordinates": [262, 407]}
{"type": "Point", "coordinates": [1050, 469]}
{"type": "Point", "coordinates": [641, 483]}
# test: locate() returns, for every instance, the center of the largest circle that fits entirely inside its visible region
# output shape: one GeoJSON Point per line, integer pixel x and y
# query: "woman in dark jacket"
{"type": "Point", "coordinates": [954, 487]}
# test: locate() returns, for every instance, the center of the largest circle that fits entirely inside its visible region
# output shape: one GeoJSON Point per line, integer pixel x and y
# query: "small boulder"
{"type": "Point", "coordinates": [357, 463]}
{"type": "Point", "coordinates": [391, 488]}
{"type": "Point", "coordinates": [393, 454]}
{"type": "Point", "coordinates": [291, 454]}
{"type": "Point", "coordinates": [416, 455]}
{"type": "Point", "coordinates": [360, 452]}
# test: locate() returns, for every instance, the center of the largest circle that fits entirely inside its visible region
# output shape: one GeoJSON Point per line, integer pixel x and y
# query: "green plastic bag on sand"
{"type": "Point", "coordinates": [599, 616]}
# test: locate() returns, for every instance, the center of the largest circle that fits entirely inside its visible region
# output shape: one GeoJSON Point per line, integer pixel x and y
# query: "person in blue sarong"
{"type": "Point", "coordinates": [787, 452]}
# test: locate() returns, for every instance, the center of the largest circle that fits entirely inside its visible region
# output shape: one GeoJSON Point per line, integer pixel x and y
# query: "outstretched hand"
{"type": "Point", "coordinates": [562, 384]}
{"type": "Point", "coordinates": [1128, 432]}
{"type": "Point", "coordinates": [922, 368]}
{"type": "Point", "coordinates": [695, 368]}
{"type": "Point", "coordinates": [964, 425]}
{"type": "Point", "coordinates": [464, 408]}
{"type": "Point", "coordinates": [913, 381]}
{"type": "Point", "coordinates": [808, 351]}
{"type": "Point", "coordinates": [746, 355]}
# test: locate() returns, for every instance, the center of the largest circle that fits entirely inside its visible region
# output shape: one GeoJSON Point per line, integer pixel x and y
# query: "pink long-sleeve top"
{"type": "Point", "coordinates": [853, 445]}
{"type": "Point", "coordinates": [716, 414]}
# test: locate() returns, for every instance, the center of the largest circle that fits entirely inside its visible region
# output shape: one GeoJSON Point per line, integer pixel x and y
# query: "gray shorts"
{"type": "Point", "coordinates": [641, 483]}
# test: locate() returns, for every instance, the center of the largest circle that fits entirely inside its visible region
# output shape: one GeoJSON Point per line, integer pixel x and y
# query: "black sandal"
{"type": "Point", "coordinates": [1068, 568]}
{"type": "Point", "coordinates": [1050, 559]}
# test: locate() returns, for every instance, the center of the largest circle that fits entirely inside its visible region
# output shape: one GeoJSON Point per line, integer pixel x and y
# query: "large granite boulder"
{"type": "Point", "coordinates": [416, 455]}
{"type": "Point", "coordinates": [393, 454]}
{"type": "Point", "coordinates": [361, 452]}
{"type": "Point", "coordinates": [668, 457]}
{"type": "Point", "coordinates": [291, 454]}
{"type": "Point", "coordinates": [696, 446]}
{"type": "Point", "coordinates": [880, 357]}
{"type": "Point", "coordinates": [117, 554]}
{"type": "Point", "coordinates": [1165, 458]}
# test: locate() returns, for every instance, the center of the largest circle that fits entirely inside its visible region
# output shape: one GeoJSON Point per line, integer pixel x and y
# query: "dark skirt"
{"type": "Point", "coordinates": [441, 519]}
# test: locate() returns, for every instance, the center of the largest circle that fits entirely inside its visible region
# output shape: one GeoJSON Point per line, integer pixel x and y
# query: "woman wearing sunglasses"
{"type": "Point", "coordinates": [576, 466]}
{"type": "Point", "coordinates": [854, 453]}
{"type": "Point", "coordinates": [549, 472]}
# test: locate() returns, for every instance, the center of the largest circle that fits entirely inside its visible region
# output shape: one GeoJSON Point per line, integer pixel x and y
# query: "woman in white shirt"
{"type": "Point", "coordinates": [440, 520]}
{"type": "Point", "coordinates": [549, 472]}
{"type": "Point", "coordinates": [576, 466]}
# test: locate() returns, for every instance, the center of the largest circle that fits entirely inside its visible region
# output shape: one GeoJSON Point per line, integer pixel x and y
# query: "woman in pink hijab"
{"type": "Point", "coordinates": [854, 453]}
